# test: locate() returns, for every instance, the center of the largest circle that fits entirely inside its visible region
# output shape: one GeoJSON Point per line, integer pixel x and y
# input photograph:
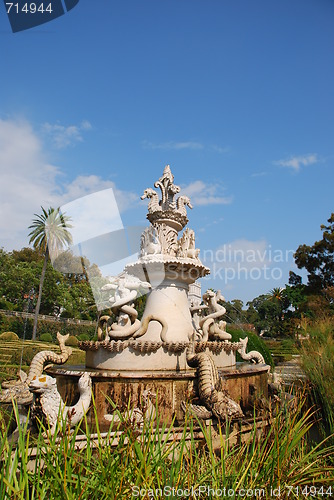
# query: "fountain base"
{"type": "Point", "coordinates": [244, 382]}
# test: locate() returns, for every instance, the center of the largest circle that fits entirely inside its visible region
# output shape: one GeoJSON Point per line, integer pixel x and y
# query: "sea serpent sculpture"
{"type": "Point", "coordinates": [253, 356]}
{"type": "Point", "coordinates": [49, 406]}
{"type": "Point", "coordinates": [211, 330]}
{"type": "Point", "coordinates": [215, 399]}
{"type": "Point", "coordinates": [124, 291]}
{"type": "Point", "coordinates": [18, 390]}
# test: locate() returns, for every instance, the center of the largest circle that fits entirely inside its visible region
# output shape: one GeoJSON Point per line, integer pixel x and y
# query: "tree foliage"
{"type": "Point", "coordinates": [48, 234]}
{"type": "Point", "coordinates": [318, 259]}
{"type": "Point", "coordinates": [67, 296]}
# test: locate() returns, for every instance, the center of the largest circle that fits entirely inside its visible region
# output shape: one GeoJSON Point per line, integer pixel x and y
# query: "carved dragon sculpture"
{"type": "Point", "coordinates": [49, 404]}
{"type": "Point", "coordinates": [181, 204]}
{"type": "Point", "coordinates": [147, 411]}
{"type": "Point", "coordinates": [186, 245]}
{"type": "Point", "coordinates": [216, 401]}
{"type": "Point", "coordinates": [212, 330]}
{"type": "Point", "coordinates": [149, 242]}
{"type": "Point", "coordinates": [153, 204]}
{"type": "Point", "coordinates": [18, 390]}
{"type": "Point", "coordinates": [254, 356]}
{"type": "Point", "coordinates": [115, 331]}
{"type": "Point", "coordinates": [127, 324]}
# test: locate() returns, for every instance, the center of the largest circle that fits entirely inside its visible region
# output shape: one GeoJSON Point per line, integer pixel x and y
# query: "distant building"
{"type": "Point", "coordinates": [195, 294]}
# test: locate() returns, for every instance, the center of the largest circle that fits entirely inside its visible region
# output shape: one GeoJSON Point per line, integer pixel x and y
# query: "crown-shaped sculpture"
{"type": "Point", "coordinates": [167, 210]}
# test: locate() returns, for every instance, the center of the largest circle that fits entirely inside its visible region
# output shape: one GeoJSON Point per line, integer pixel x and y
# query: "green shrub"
{"type": "Point", "coordinates": [255, 343]}
{"type": "Point", "coordinates": [27, 355]}
{"type": "Point", "coordinates": [46, 337]}
{"type": "Point", "coordinates": [4, 304]}
{"type": "Point", "coordinates": [83, 336]}
{"type": "Point", "coordinates": [76, 358]}
{"type": "Point", "coordinates": [23, 326]}
{"type": "Point", "coordinates": [72, 341]}
{"type": "Point", "coordinates": [9, 336]}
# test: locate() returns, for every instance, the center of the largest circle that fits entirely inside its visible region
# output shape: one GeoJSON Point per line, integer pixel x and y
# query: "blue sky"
{"type": "Point", "coordinates": [237, 96]}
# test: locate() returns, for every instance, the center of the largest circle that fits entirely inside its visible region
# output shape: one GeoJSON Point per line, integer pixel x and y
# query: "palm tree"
{"type": "Point", "coordinates": [48, 234]}
{"type": "Point", "coordinates": [276, 294]}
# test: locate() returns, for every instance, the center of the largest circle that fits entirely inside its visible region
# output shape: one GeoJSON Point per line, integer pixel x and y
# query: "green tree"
{"type": "Point", "coordinates": [318, 259]}
{"type": "Point", "coordinates": [234, 311]}
{"type": "Point", "coordinates": [48, 234]}
{"type": "Point", "coordinates": [267, 313]}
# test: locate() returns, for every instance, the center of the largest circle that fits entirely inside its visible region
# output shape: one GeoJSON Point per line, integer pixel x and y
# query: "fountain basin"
{"type": "Point", "coordinates": [242, 381]}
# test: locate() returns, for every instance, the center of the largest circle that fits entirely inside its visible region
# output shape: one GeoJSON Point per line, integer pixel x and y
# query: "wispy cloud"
{"type": "Point", "coordinates": [219, 149]}
{"type": "Point", "coordinates": [62, 136]}
{"type": "Point", "coordinates": [296, 162]}
{"type": "Point", "coordinates": [88, 184]}
{"type": "Point", "coordinates": [205, 194]}
{"type": "Point", "coordinates": [173, 145]}
{"type": "Point", "coordinates": [250, 254]}
{"type": "Point", "coordinates": [29, 180]}
{"type": "Point", "coordinates": [259, 174]}
{"type": "Point", "coordinates": [179, 145]}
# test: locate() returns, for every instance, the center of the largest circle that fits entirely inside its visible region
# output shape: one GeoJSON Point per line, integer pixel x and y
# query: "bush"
{"type": "Point", "coordinates": [9, 336]}
{"type": "Point", "coordinates": [255, 343]}
{"type": "Point", "coordinates": [27, 355]}
{"type": "Point", "coordinates": [83, 336]}
{"type": "Point", "coordinates": [72, 341]}
{"type": "Point", "coordinates": [76, 358]}
{"type": "Point", "coordinates": [46, 337]}
{"type": "Point", "coordinates": [4, 304]}
{"type": "Point", "coordinates": [23, 326]}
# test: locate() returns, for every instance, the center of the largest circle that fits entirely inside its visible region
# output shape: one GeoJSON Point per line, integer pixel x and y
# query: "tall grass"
{"type": "Point", "coordinates": [318, 364]}
{"type": "Point", "coordinates": [149, 462]}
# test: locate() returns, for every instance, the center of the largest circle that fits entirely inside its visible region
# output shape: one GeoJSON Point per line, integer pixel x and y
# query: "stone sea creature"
{"type": "Point", "coordinates": [49, 406]}
{"type": "Point", "coordinates": [149, 242]}
{"type": "Point", "coordinates": [254, 356]}
{"type": "Point", "coordinates": [181, 204]}
{"type": "Point", "coordinates": [211, 329]}
{"type": "Point", "coordinates": [18, 390]}
{"type": "Point", "coordinates": [153, 205]}
{"type": "Point", "coordinates": [127, 323]}
{"type": "Point", "coordinates": [215, 401]}
{"type": "Point", "coordinates": [136, 415]}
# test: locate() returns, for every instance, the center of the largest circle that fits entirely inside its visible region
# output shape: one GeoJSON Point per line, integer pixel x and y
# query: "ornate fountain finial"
{"type": "Point", "coordinates": [167, 210]}
{"type": "Point", "coordinates": [168, 189]}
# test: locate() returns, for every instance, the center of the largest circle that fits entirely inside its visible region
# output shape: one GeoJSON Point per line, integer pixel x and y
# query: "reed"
{"type": "Point", "coordinates": [317, 362]}
{"type": "Point", "coordinates": [156, 461]}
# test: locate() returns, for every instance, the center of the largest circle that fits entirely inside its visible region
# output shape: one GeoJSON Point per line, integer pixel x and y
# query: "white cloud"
{"type": "Point", "coordinates": [62, 136]}
{"type": "Point", "coordinates": [173, 145]}
{"type": "Point", "coordinates": [248, 268]}
{"type": "Point", "coordinates": [179, 145]}
{"type": "Point", "coordinates": [295, 162]}
{"type": "Point", "coordinates": [259, 174]}
{"type": "Point", "coordinates": [205, 194]}
{"type": "Point", "coordinates": [246, 252]}
{"type": "Point", "coordinates": [219, 149]}
{"type": "Point", "coordinates": [29, 180]}
{"type": "Point", "coordinates": [87, 184]}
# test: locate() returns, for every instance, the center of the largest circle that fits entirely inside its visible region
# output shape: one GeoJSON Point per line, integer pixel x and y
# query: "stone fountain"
{"type": "Point", "coordinates": [178, 356]}
{"type": "Point", "coordinates": [179, 352]}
